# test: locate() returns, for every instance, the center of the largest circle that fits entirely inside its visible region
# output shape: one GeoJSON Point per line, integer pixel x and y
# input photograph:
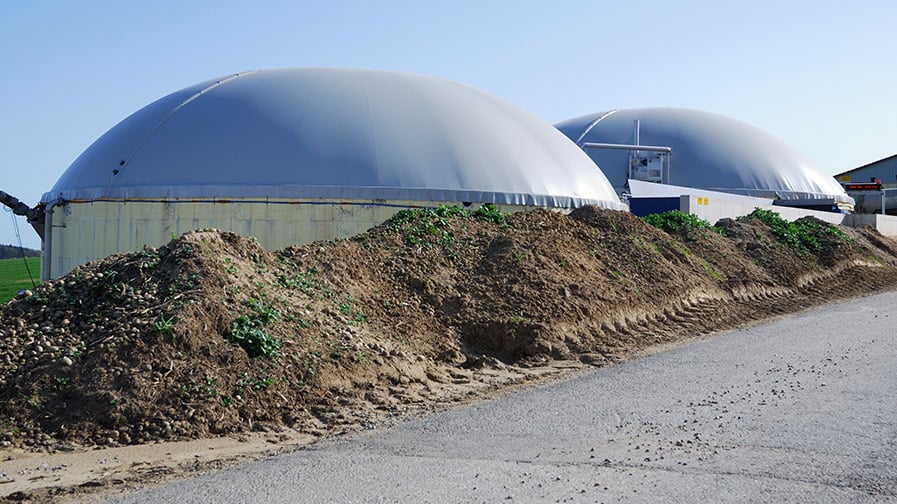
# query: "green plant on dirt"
{"type": "Point", "coordinates": [39, 298]}
{"type": "Point", "coordinates": [683, 224]}
{"type": "Point", "coordinates": [803, 236]}
{"type": "Point", "coordinates": [490, 213]}
{"type": "Point", "coordinates": [264, 312]}
{"type": "Point", "coordinates": [249, 332]}
{"type": "Point", "coordinates": [253, 382]}
{"type": "Point", "coordinates": [34, 400]}
{"type": "Point", "coordinates": [181, 284]}
{"type": "Point", "coordinates": [186, 250]}
{"type": "Point", "coordinates": [305, 281]}
{"type": "Point", "coordinates": [308, 368]}
{"type": "Point", "coordinates": [165, 325]}
{"type": "Point", "coordinates": [212, 387]}
{"type": "Point", "coordinates": [307, 364]}
{"type": "Point", "coordinates": [822, 231]}
{"type": "Point", "coordinates": [150, 258]}
{"type": "Point", "coordinates": [347, 308]}
{"type": "Point", "coordinates": [105, 282]}
{"type": "Point", "coordinates": [878, 260]}
{"type": "Point", "coordinates": [713, 272]}
{"type": "Point", "coordinates": [77, 352]}
{"type": "Point", "coordinates": [428, 226]}
{"type": "Point", "coordinates": [639, 243]}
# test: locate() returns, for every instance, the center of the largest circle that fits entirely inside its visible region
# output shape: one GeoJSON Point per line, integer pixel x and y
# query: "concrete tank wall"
{"type": "Point", "coordinates": [81, 232]}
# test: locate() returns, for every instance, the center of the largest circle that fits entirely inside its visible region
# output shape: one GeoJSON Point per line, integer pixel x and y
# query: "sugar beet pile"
{"type": "Point", "coordinates": [211, 334]}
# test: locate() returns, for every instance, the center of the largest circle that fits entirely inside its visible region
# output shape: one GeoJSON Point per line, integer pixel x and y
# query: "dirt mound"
{"type": "Point", "coordinates": [212, 334]}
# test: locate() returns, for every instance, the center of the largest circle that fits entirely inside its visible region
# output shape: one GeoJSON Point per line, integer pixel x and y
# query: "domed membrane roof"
{"type": "Point", "coordinates": [709, 151]}
{"type": "Point", "coordinates": [335, 134]}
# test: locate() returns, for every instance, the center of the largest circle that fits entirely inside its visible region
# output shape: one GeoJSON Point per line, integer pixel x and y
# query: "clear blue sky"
{"type": "Point", "coordinates": [821, 75]}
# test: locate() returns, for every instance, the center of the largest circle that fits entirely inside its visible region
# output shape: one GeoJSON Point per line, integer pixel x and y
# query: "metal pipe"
{"type": "Point", "coordinates": [652, 148]}
{"type": "Point", "coordinates": [592, 125]}
{"type": "Point", "coordinates": [666, 168]}
{"type": "Point", "coordinates": [34, 215]}
{"type": "Point", "coordinates": [638, 127]}
{"type": "Point", "coordinates": [17, 206]}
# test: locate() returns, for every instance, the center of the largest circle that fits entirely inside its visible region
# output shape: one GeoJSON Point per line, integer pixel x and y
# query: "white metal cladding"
{"type": "Point", "coordinates": [335, 134]}
{"type": "Point", "coordinates": [709, 151]}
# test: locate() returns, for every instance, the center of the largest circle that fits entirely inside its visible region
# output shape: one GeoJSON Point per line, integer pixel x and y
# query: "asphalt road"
{"type": "Point", "coordinates": [803, 409]}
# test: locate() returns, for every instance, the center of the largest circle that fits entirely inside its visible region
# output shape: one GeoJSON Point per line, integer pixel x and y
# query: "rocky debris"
{"type": "Point", "coordinates": [211, 334]}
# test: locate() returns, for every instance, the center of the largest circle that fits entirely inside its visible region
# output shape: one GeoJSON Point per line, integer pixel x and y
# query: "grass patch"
{"type": "Point", "coordinates": [14, 276]}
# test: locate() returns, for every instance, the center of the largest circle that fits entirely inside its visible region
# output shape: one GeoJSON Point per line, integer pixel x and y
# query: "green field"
{"type": "Point", "coordinates": [14, 276]}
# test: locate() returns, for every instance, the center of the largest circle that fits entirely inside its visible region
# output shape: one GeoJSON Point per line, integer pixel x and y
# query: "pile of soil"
{"type": "Point", "coordinates": [212, 334]}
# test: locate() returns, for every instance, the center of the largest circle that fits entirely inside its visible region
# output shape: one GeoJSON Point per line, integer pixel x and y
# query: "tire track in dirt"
{"type": "Point", "coordinates": [748, 304]}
